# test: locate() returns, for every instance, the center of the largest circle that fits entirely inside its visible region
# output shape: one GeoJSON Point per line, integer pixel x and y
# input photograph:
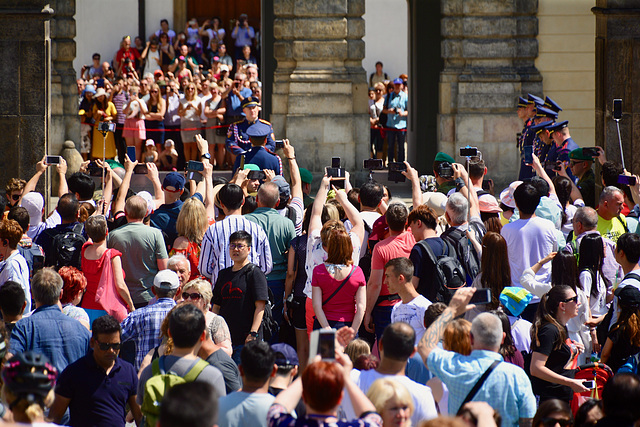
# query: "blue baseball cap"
{"type": "Point", "coordinates": [175, 180]}
{"type": "Point", "coordinates": [398, 81]}
{"type": "Point", "coordinates": [285, 355]}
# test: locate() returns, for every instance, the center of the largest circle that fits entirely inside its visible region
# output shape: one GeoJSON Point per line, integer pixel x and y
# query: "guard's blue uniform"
{"type": "Point", "coordinates": [238, 141]}
{"type": "Point", "coordinates": [263, 157]}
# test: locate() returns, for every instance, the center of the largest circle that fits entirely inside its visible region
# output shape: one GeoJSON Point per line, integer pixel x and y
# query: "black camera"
{"type": "Point", "coordinates": [445, 170]}
{"type": "Point", "coordinates": [107, 127]}
{"type": "Point", "coordinates": [94, 169]}
{"type": "Point", "coordinates": [279, 144]}
{"type": "Point", "coordinates": [591, 151]}
{"type": "Point", "coordinates": [395, 172]}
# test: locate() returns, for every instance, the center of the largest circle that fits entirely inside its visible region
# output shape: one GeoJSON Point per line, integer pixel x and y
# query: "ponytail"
{"type": "Point", "coordinates": [547, 313]}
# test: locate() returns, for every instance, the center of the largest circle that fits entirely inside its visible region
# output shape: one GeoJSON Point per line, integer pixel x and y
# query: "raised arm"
{"type": "Point", "coordinates": [352, 214]}
{"type": "Point", "coordinates": [315, 222]}
{"type": "Point", "coordinates": [543, 174]}
{"type": "Point", "coordinates": [294, 171]}
{"type": "Point", "coordinates": [41, 167]}
{"type": "Point", "coordinates": [416, 193]}
{"type": "Point", "coordinates": [62, 176]}
{"type": "Point", "coordinates": [118, 205]}
{"type": "Point", "coordinates": [474, 207]}
{"type": "Point", "coordinates": [154, 176]}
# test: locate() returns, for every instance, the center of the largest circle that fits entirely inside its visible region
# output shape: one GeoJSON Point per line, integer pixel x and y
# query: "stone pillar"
{"type": "Point", "coordinates": [25, 86]}
{"type": "Point", "coordinates": [617, 76]}
{"type": "Point", "coordinates": [489, 48]}
{"type": "Point", "coordinates": [320, 90]}
{"type": "Point", "coordinates": [65, 123]}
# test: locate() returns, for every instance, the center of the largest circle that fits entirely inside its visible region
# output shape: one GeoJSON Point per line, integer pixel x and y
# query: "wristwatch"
{"type": "Point", "coordinates": [253, 334]}
{"type": "Point", "coordinates": [206, 156]}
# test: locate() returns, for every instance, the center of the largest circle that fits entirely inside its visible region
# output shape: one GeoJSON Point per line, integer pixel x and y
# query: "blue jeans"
{"type": "Point", "coordinates": [381, 319]}
{"type": "Point", "coordinates": [393, 137]}
{"type": "Point", "coordinates": [237, 349]}
{"type": "Point", "coordinates": [277, 287]}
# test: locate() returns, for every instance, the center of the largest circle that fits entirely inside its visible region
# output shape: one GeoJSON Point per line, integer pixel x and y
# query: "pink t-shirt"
{"type": "Point", "coordinates": [342, 307]}
{"type": "Point", "coordinates": [388, 249]}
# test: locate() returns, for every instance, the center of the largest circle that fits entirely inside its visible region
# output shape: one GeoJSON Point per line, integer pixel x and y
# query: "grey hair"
{"type": "Point", "coordinates": [486, 329]}
{"type": "Point", "coordinates": [586, 216]}
{"type": "Point", "coordinates": [46, 286]}
{"type": "Point", "coordinates": [176, 259]}
{"type": "Point", "coordinates": [457, 208]}
{"type": "Point", "coordinates": [608, 193]}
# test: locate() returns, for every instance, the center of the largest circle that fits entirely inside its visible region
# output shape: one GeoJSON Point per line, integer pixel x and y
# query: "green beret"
{"type": "Point", "coordinates": [577, 154]}
{"type": "Point", "coordinates": [306, 176]}
{"type": "Point", "coordinates": [251, 167]}
{"type": "Point", "coordinates": [443, 157]}
{"type": "Point", "coordinates": [114, 164]}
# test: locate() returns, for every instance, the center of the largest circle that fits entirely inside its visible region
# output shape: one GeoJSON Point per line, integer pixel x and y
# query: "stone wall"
{"type": "Point", "coordinates": [489, 48]}
{"type": "Point", "coordinates": [320, 90]}
{"type": "Point", "coordinates": [25, 86]}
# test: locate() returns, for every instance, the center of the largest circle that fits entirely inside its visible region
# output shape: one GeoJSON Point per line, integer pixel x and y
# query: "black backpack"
{"type": "Point", "coordinates": [365, 260]}
{"type": "Point", "coordinates": [466, 255]}
{"type": "Point", "coordinates": [269, 325]}
{"type": "Point", "coordinates": [450, 273]}
{"type": "Point", "coordinates": [66, 248]}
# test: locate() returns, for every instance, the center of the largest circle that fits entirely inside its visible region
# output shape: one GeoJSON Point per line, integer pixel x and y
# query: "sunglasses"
{"type": "Point", "coordinates": [551, 422]}
{"type": "Point", "coordinates": [154, 91]}
{"type": "Point", "coordinates": [109, 346]}
{"type": "Point", "coordinates": [572, 299]}
{"type": "Point", "coordinates": [194, 296]}
{"type": "Point", "coordinates": [237, 246]}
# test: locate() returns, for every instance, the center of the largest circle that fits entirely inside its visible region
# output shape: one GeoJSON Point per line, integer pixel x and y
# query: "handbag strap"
{"type": "Point", "coordinates": [481, 381]}
{"type": "Point", "coordinates": [339, 287]}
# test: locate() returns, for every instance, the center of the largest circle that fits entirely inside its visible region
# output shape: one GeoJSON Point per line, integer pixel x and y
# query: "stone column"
{"type": "Point", "coordinates": [617, 76]}
{"type": "Point", "coordinates": [25, 86]}
{"type": "Point", "coordinates": [489, 48]}
{"type": "Point", "coordinates": [320, 88]}
{"type": "Point", "coordinates": [65, 123]}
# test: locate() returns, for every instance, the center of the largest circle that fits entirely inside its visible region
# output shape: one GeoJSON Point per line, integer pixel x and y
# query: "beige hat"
{"type": "Point", "coordinates": [436, 201]}
{"type": "Point", "coordinates": [100, 92]}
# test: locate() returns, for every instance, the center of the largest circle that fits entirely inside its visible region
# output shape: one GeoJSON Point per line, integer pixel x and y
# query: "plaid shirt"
{"type": "Point", "coordinates": [143, 326]}
{"type": "Point", "coordinates": [507, 389]}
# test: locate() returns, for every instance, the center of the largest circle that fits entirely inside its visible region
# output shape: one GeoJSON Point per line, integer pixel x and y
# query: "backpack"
{"type": "Point", "coordinates": [66, 248]}
{"type": "Point", "coordinates": [34, 255]}
{"type": "Point", "coordinates": [291, 214]}
{"type": "Point", "coordinates": [365, 260]}
{"type": "Point", "coordinates": [270, 326]}
{"type": "Point", "coordinates": [160, 382]}
{"type": "Point", "coordinates": [466, 255]}
{"type": "Point", "coordinates": [450, 273]}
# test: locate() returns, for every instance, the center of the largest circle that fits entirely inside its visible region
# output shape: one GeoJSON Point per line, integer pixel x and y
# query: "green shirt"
{"type": "Point", "coordinates": [280, 231]}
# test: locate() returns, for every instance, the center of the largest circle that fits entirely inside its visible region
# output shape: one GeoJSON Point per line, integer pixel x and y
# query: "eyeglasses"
{"type": "Point", "coordinates": [194, 296]}
{"type": "Point", "coordinates": [551, 422]}
{"type": "Point", "coordinates": [572, 299]}
{"type": "Point", "coordinates": [237, 246]}
{"type": "Point", "coordinates": [106, 346]}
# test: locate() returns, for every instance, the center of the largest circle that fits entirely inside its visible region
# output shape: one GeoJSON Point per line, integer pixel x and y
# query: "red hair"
{"type": "Point", "coordinates": [322, 384]}
{"type": "Point", "coordinates": [74, 283]}
{"type": "Point", "coordinates": [339, 248]}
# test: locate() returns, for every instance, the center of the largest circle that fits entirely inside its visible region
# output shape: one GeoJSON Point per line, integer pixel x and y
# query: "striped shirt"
{"type": "Point", "coordinates": [120, 101]}
{"type": "Point", "coordinates": [15, 268]}
{"type": "Point", "coordinates": [298, 206]}
{"type": "Point", "coordinates": [143, 327]}
{"type": "Point", "coordinates": [214, 252]}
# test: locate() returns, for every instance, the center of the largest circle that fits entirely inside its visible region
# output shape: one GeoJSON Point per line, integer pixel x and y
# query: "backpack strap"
{"type": "Point", "coordinates": [196, 369]}
{"type": "Point", "coordinates": [632, 276]}
{"type": "Point", "coordinates": [624, 223]}
{"type": "Point", "coordinates": [479, 384]}
{"type": "Point", "coordinates": [353, 268]}
{"type": "Point", "coordinates": [156, 368]}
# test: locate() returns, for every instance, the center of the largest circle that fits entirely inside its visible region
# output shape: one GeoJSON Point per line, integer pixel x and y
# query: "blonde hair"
{"type": "Point", "coordinates": [356, 348]}
{"type": "Point", "coordinates": [203, 287]}
{"type": "Point", "coordinates": [33, 411]}
{"type": "Point", "coordinates": [456, 337]}
{"type": "Point", "coordinates": [192, 220]}
{"type": "Point", "coordinates": [384, 389]}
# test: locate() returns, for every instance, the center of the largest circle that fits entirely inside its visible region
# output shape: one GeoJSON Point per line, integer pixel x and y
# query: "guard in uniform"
{"type": "Point", "coordinates": [551, 104]}
{"type": "Point", "coordinates": [563, 142]}
{"type": "Point", "coordinates": [527, 136]}
{"type": "Point", "coordinates": [259, 154]}
{"type": "Point", "coordinates": [546, 145]}
{"type": "Point", "coordinates": [237, 137]}
{"type": "Point", "coordinates": [543, 115]}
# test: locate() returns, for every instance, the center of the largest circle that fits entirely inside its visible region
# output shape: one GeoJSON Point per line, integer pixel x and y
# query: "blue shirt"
{"type": "Point", "coordinates": [143, 327]}
{"type": "Point", "coordinates": [262, 157]}
{"type": "Point", "coordinates": [234, 104]}
{"type": "Point", "coordinates": [97, 398]}
{"type": "Point", "coordinates": [399, 101]}
{"type": "Point", "coordinates": [50, 332]}
{"type": "Point", "coordinates": [507, 389]}
{"type": "Point", "coordinates": [164, 219]}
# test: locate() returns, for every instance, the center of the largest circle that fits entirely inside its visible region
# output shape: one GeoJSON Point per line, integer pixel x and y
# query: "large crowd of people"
{"type": "Point", "coordinates": [195, 305]}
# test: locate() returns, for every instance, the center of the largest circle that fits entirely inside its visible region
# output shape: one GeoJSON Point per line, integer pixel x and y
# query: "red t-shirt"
{"type": "Point", "coordinates": [385, 251]}
{"type": "Point", "coordinates": [132, 54]}
{"type": "Point", "coordinates": [342, 307]}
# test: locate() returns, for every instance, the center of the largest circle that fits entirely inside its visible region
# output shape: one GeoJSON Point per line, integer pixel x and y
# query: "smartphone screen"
{"type": "Point", "coordinates": [193, 165]}
{"type": "Point", "coordinates": [626, 180]}
{"type": "Point", "coordinates": [481, 297]}
{"type": "Point", "coordinates": [327, 345]}
{"type": "Point", "coordinates": [528, 154]}
{"type": "Point", "coordinates": [52, 160]}
{"type": "Point", "coordinates": [335, 162]}
{"type": "Point", "coordinates": [617, 109]}
{"type": "Point", "coordinates": [131, 152]}
{"type": "Point", "coordinates": [590, 384]}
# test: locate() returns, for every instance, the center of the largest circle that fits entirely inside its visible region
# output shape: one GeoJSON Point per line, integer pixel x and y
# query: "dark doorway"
{"type": "Point", "coordinates": [228, 11]}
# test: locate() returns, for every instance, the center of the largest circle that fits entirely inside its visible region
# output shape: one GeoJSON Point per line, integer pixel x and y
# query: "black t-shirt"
{"type": "Point", "coordinates": [557, 361]}
{"type": "Point", "coordinates": [236, 292]}
{"type": "Point", "coordinates": [424, 269]}
{"type": "Point", "coordinates": [622, 348]}
{"type": "Point", "coordinates": [229, 369]}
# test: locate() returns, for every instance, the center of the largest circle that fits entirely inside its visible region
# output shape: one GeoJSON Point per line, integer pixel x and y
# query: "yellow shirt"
{"type": "Point", "coordinates": [613, 228]}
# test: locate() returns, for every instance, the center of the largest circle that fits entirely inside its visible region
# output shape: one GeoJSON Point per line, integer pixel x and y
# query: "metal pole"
{"type": "Point", "coordinates": [620, 143]}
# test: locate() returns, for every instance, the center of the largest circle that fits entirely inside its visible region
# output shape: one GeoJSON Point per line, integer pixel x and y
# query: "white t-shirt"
{"type": "Point", "coordinates": [521, 333]}
{"type": "Point", "coordinates": [151, 64]}
{"type": "Point", "coordinates": [425, 407]}
{"type": "Point", "coordinates": [598, 305]}
{"type": "Point", "coordinates": [528, 241]}
{"type": "Point", "coordinates": [15, 268]}
{"type": "Point", "coordinates": [413, 314]}
{"type": "Point", "coordinates": [316, 255]}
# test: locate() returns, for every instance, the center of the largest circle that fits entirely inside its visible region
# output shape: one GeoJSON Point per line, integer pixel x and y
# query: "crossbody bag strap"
{"type": "Point", "coordinates": [481, 381]}
{"type": "Point", "coordinates": [353, 268]}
